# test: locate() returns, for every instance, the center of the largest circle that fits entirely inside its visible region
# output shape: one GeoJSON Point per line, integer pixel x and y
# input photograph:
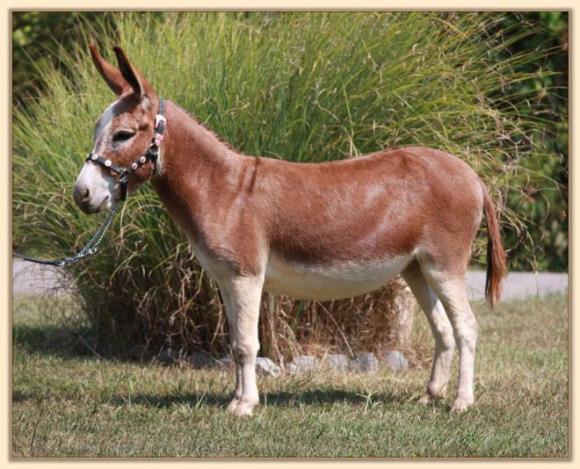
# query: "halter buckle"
{"type": "Point", "coordinates": [124, 183]}
{"type": "Point", "coordinates": [159, 118]}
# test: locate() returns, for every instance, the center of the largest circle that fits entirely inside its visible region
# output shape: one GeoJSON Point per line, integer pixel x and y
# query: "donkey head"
{"type": "Point", "coordinates": [122, 134]}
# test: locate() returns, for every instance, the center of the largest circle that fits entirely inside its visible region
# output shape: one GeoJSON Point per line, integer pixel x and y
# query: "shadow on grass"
{"type": "Point", "coordinates": [53, 340]}
{"type": "Point", "coordinates": [71, 343]}
{"type": "Point", "coordinates": [273, 399]}
{"type": "Point", "coordinates": [53, 325]}
{"type": "Point", "coordinates": [74, 342]}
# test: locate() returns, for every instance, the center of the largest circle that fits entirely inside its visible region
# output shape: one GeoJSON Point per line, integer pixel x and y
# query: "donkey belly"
{"type": "Point", "coordinates": [332, 282]}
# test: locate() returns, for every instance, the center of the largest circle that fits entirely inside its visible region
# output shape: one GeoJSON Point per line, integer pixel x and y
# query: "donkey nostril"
{"type": "Point", "coordinates": [84, 194]}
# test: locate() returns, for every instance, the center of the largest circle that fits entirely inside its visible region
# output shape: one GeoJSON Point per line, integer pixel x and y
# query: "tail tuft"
{"type": "Point", "coordinates": [496, 257]}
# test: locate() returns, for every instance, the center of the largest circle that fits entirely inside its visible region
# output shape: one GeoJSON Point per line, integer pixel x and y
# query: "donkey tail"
{"type": "Point", "coordinates": [496, 257]}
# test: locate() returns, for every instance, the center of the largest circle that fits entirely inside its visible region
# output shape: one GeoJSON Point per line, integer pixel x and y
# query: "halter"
{"type": "Point", "coordinates": [150, 155]}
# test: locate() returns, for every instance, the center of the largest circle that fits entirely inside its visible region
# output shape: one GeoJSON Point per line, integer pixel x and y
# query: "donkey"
{"type": "Point", "coordinates": [311, 231]}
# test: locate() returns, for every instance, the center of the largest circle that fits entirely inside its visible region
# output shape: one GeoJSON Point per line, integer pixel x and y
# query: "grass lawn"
{"type": "Point", "coordinates": [70, 404]}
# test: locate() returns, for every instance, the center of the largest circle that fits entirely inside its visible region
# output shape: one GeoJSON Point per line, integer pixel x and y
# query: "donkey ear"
{"type": "Point", "coordinates": [111, 74]}
{"type": "Point", "coordinates": [130, 73]}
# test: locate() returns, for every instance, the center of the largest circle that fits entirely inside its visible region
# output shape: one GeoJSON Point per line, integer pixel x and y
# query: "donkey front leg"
{"type": "Point", "coordinates": [232, 326]}
{"type": "Point", "coordinates": [242, 300]}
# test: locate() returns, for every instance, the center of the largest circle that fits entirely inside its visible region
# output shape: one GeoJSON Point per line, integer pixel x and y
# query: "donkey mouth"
{"type": "Point", "coordinates": [90, 209]}
{"type": "Point", "coordinates": [104, 204]}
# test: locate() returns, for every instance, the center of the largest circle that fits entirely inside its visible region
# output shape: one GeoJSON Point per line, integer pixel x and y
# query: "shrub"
{"type": "Point", "coordinates": [299, 86]}
{"type": "Point", "coordinates": [545, 244]}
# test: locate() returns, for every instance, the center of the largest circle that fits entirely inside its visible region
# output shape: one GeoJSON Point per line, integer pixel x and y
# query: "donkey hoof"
{"type": "Point", "coordinates": [461, 405]}
{"type": "Point", "coordinates": [243, 409]}
{"type": "Point", "coordinates": [232, 406]}
{"type": "Point", "coordinates": [429, 397]}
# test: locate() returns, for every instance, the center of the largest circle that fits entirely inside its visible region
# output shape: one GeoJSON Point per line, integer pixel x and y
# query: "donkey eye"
{"type": "Point", "coordinates": [122, 136]}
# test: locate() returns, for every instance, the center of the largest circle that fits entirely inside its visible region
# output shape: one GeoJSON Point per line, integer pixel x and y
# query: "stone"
{"type": "Point", "coordinates": [226, 362]}
{"type": "Point", "coordinates": [302, 364]}
{"type": "Point", "coordinates": [265, 366]}
{"type": "Point", "coordinates": [366, 362]}
{"type": "Point", "coordinates": [395, 360]}
{"type": "Point", "coordinates": [201, 360]}
{"type": "Point", "coordinates": [165, 356]}
{"type": "Point", "coordinates": [337, 362]}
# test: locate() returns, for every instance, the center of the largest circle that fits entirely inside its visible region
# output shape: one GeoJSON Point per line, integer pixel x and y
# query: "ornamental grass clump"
{"type": "Point", "coordinates": [305, 87]}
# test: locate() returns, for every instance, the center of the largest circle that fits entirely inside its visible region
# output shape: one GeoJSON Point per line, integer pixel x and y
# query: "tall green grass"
{"type": "Point", "coordinates": [298, 86]}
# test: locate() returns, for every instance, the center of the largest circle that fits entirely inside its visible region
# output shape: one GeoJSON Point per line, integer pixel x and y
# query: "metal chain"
{"type": "Point", "coordinates": [88, 250]}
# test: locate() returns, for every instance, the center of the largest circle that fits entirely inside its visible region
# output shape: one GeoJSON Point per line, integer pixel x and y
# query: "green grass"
{"type": "Point", "coordinates": [70, 403]}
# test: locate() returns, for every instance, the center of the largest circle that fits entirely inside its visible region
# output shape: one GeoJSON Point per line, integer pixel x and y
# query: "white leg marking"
{"type": "Point", "coordinates": [232, 328]}
{"type": "Point", "coordinates": [453, 295]}
{"type": "Point", "coordinates": [441, 329]}
{"type": "Point", "coordinates": [244, 294]}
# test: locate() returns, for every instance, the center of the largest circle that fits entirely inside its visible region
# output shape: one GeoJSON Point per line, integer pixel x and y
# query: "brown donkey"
{"type": "Point", "coordinates": [311, 231]}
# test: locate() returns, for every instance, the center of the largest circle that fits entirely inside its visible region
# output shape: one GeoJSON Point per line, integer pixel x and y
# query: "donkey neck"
{"type": "Point", "coordinates": [197, 169]}
{"type": "Point", "coordinates": [188, 140]}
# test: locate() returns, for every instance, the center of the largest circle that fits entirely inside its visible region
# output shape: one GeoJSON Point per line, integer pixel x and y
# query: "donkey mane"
{"type": "Point", "coordinates": [209, 132]}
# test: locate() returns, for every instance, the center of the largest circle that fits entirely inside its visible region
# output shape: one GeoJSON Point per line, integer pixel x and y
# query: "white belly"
{"type": "Point", "coordinates": [316, 282]}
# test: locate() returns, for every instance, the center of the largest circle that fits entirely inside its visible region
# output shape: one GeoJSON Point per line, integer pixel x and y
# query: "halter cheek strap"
{"type": "Point", "coordinates": [150, 155]}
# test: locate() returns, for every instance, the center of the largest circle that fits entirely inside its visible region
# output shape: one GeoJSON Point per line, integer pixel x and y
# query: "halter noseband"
{"type": "Point", "coordinates": [150, 155]}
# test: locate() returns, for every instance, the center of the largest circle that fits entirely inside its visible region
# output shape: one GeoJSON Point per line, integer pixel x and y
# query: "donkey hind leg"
{"type": "Point", "coordinates": [451, 290]}
{"type": "Point", "coordinates": [441, 329]}
{"type": "Point", "coordinates": [243, 304]}
{"type": "Point", "coordinates": [232, 328]}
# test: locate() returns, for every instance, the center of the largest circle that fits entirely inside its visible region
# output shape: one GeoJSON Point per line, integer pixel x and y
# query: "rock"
{"type": "Point", "coordinates": [337, 362]}
{"type": "Point", "coordinates": [302, 364]}
{"type": "Point", "coordinates": [165, 356]}
{"type": "Point", "coordinates": [225, 362]}
{"type": "Point", "coordinates": [265, 366]}
{"type": "Point", "coordinates": [365, 362]}
{"type": "Point", "coordinates": [201, 360]}
{"type": "Point", "coordinates": [395, 360]}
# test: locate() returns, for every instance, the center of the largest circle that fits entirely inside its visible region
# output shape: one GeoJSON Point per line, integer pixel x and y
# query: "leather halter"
{"type": "Point", "coordinates": [150, 155]}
